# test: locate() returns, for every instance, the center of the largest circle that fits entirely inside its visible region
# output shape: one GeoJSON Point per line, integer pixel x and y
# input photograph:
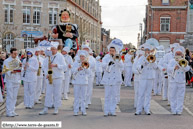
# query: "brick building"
{"type": "Point", "coordinates": [22, 20]}
{"type": "Point", "coordinates": [166, 21]}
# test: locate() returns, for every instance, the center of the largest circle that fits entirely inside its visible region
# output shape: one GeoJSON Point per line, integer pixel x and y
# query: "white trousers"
{"type": "Point", "coordinates": [128, 76]}
{"type": "Point", "coordinates": [11, 98]}
{"type": "Point", "coordinates": [157, 83]}
{"type": "Point", "coordinates": [38, 88]}
{"type": "Point", "coordinates": [53, 93]}
{"type": "Point", "coordinates": [136, 85]}
{"type": "Point", "coordinates": [110, 99]}
{"type": "Point", "coordinates": [177, 93]}
{"type": "Point", "coordinates": [144, 95]}
{"type": "Point", "coordinates": [80, 98]}
{"type": "Point", "coordinates": [165, 89]}
{"type": "Point", "coordinates": [98, 78]}
{"type": "Point", "coordinates": [68, 79]}
{"type": "Point", "coordinates": [29, 93]}
{"type": "Point", "coordinates": [89, 91]}
{"type": "Point", "coordinates": [64, 89]}
{"type": "Point", "coordinates": [118, 93]}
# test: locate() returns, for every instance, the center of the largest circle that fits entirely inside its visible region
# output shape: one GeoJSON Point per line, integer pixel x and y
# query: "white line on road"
{"type": "Point", "coordinates": [157, 108]}
{"type": "Point", "coordinates": [188, 110]}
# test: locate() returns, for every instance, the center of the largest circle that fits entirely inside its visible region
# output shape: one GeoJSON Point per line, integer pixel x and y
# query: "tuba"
{"type": "Point", "coordinates": [50, 71]}
{"type": "Point", "coordinates": [14, 65]}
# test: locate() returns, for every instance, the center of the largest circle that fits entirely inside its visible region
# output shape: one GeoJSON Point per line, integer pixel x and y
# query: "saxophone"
{"type": "Point", "coordinates": [50, 71]}
{"type": "Point", "coordinates": [39, 70]}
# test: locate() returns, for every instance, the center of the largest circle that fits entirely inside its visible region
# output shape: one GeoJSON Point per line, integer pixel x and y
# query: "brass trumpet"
{"type": "Point", "coordinates": [117, 57]}
{"type": "Point", "coordinates": [183, 62]}
{"type": "Point", "coordinates": [151, 58]}
{"type": "Point", "coordinates": [85, 65]}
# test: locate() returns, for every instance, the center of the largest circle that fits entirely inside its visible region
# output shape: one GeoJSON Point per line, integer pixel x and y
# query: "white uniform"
{"type": "Point", "coordinates": [89, 92]}
{"type": "Point", "coordinates": [30, 81]}
{"type": "Point", "coordinates": [146, 77]}
{"type": "Point", "coordinates": [80, 82]}
{"type": "Point", "coordinates": [157, 82]}
{"type": "Point", "coordinates": [38, 87]}
{"type": "Point", "coordinates": [128, 70]}
{"type": "Point", "coordinates": [1, 97]}
{"type": "Point", "coordinates": [136, 80]}
{"type": "Point", "coordinates": [13, 82]}
{"type": "Point", "coordinates": [67, 76]}
{"type": "Point", "coordinates": [177, 86]}
{"type": "Point", "coordinates": [167, 58]}
{"type": "Point", "coordinates": [164, 78]}
{"type": "Point", "coordinates": [44, 77]}
{"type": "Point", "coordinates": [53, 91]}
{"type": "Point", "coordinates": [99, 71]}
{"type": "Point", "coordinates": [111, 79]}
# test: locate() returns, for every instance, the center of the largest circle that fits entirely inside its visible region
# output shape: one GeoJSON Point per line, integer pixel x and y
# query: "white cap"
{"type": "Point", "coordinates": [66, 49]}
{"type": "Point", "coordinates": [83, 53]}
{"type": "Point", "coordinates": [37, 49]}
{"type": "Point", "coordinates": [85, 46]}
{"type": "Point", "coordinates": [98, 58]}
{"type": "Point", "coordinates": [174, 45]}
{"type": "Point", "coordinates": [147, 46]}
{"type": "Point", "coordinates": [179, 48]}
{"type": "Point", "coordinates": [117, 44]}
{"type": "Point", "coordinates": [161, 47]}
{"type": "Point", "coordinates": [30, 50]}
{"type": "Point", "coordinates": [54, 44]}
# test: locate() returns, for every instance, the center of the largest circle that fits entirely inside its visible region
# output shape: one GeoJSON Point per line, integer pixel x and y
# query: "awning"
{"type": "Point", "coordinates": [31, 33]}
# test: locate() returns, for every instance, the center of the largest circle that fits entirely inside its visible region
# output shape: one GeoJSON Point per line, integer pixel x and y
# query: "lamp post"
{"type": "Point", "coordinates": [141, 29]}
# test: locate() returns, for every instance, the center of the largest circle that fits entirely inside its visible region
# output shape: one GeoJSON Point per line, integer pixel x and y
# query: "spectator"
{"type": "Point", "coordinates": [189, 59]}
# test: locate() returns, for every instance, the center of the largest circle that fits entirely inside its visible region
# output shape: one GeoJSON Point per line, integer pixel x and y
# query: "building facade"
{"type": "Point", "coordinates": [105, 39]}
{"type": "Point", "coordinates": [166, 21]}
{"type": "Point", "coordinates": [22, 20]}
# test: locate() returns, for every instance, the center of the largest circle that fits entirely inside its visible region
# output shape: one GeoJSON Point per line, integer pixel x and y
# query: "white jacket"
{"type": "Point", "coordinates": [148, 70]}
{"type": "Point", "coordinates": [68, 60]}
{"type": "Point", "coordinates": [80, 77]}
{"type": "Point", "coordinates": [127, 62]}
{"type": "Point", "coordinates": [114, 75]}
{"type": "Point", "coordinates": [92, 63]}
{"type": "Point", "coordinates": [134, 69]}
{"type": "Point", "coordinates": [14, 78]}
{"type": "Point", "coordinates": [58, 72]}
{"type": "Point", "coordinates": [31, 71]}
{"type": "Point", "coordinates": [177, 75]}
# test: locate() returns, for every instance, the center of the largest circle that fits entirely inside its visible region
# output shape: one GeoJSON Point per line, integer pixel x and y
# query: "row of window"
{"type": "Point", "coordinates": [9, 42]}
{"type": "Point", "coordinates": [9, 11]}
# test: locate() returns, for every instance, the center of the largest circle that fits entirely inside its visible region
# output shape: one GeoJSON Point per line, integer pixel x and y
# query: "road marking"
{"type": "Point", "coordinates": [103, 101]}
{"type": "Point", "coordinates": [189, 112]}
{"type": "Point", "coordinates": [157, 108]}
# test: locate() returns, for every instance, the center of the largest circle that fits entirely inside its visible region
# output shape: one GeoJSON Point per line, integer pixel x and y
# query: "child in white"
{"type": "Point", "coordinates": [99, 70]}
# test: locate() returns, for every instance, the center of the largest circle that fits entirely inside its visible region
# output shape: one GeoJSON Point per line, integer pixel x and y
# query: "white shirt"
{"type": "Point", "coordinates": [127, 62]}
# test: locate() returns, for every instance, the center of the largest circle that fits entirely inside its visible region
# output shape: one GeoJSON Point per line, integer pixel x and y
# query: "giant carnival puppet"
{"type": "Point", "coordinates": [66, 31]}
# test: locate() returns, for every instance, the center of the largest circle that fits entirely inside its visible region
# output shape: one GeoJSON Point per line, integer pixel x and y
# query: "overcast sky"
{"type": "Point", "coordinates": [122, 17]}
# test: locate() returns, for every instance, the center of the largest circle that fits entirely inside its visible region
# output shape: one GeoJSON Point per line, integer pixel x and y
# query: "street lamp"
{"type": "Point", "coordinates": [141, 29]}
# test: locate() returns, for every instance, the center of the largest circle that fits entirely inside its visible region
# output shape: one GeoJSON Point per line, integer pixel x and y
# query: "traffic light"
{"type": "Point", "coordinates": [191, 4]}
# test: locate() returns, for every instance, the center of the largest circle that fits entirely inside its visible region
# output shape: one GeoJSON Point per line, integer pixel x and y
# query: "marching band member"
{"type": "Point", "coordinates": [99, 70]}
{"type": "Point", "coordinates": [38, 87]}
{"type": "Point", "coordinates": [13, 80]}
{"type": "Point", "coordinates": [54, 66]}
{"type": "Point", "coordinates": [177, 81]}
{"type": "Point", "coordinates": [80, 71]}
{"type": "Point", "coordinates": [42, 55]}
{"type": "Point", "coordinates": [92, 63]}
{"type": "Point", "coordinates": [67, 74]}
{"type": "Point", "coordinates": [112, 77]}
{"type": "Point", "coordinates": [147, 76]}
{"type": "Point", "coordinates": [167, 58]}
{"type": "Point", "coordinates": [136, 75]}
{"type": "Point", "coordinates": [128, 68]}
{"type": "Point", "coordinates": [29, 76]}
{"type": "Point", "coordinates": [158, 73]}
